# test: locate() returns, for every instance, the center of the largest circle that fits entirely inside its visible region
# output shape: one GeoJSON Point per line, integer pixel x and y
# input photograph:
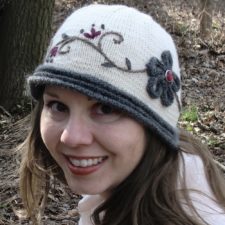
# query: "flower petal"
{"type": "Point", "coordinates": [154, 87]}
{"type": "Point", "coordinates": [154, 67]}
{"type": "Point", "coordinates": [167, 96]}
{"type": "Point", "coordinates": [176, 83]}
{"type": "Point", "coordinates": [167, 59]}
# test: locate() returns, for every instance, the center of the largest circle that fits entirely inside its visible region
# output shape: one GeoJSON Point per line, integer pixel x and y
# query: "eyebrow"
{"type": "Point", "coordinates": [51, 94]}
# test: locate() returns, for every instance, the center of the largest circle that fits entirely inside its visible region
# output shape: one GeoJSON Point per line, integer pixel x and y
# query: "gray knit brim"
{"type": "Point", "coordinates": [105, 93]}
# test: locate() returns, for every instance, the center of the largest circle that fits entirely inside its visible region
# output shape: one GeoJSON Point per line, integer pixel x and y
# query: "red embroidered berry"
{"type": "Point", "coordinates": [169, 76]}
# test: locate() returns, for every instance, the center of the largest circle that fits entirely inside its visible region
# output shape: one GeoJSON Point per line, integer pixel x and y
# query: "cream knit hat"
{"type": "Point", "coordinates": [121, 57]}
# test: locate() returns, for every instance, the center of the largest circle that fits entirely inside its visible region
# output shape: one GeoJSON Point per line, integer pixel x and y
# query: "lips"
{"type": "Point", "coordinates": [86, 165]}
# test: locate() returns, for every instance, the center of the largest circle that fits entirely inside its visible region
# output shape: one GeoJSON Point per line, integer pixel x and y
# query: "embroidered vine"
{"type": "Point", "coordinates": [162, 83]}
{"type": "Point", "coordinates": [63, 47]}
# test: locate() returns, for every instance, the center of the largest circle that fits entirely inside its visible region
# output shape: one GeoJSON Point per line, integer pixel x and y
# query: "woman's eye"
{"type": "Point", "coordinates": [56, 110]}
{"type": "Point", "coordinates": [104, 109]}
{"type": "Point", "coordinates": [57, 106]}
{"type": "Point", "coordinates": [105, 113]}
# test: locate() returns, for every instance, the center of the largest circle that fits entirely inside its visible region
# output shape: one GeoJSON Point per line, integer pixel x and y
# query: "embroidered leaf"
{"type": "Point", "coordinates": [54, 51]}
{"type": "Point", "coordinates": [107, 64]}
{"type": "Point", "coordinates": [128, 63]}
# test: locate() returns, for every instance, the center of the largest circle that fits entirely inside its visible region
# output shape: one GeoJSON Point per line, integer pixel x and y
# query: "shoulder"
{"type": "Point", "coordinates": [193, 178]}
{"type": "Point", "coordinates": [192, 173]}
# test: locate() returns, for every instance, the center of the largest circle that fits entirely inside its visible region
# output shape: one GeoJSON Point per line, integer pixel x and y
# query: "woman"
{"type": "Point", "coordinates": [108, 102]}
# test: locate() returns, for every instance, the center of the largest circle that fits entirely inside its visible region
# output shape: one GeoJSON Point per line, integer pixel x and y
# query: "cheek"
{"type": "Point", "coordinates": [126, 140]}
{"type": "Point", "coordinates": [49, 132]}
{"type": "Point", "coordinates": [135, 147]}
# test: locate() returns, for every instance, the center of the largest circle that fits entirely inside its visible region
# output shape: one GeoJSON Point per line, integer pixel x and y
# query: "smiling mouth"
{"type": "Point", "coordinates": [85, 165]}
{"type": "Point", "coordinates": [89, 162]}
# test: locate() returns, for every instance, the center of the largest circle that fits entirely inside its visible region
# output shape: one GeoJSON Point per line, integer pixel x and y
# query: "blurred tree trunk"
{"type": "Point", "coordinates": [3, 3]}
{"type": "Point", "coordinates": [206, 9]}
{"type": "Point", "coordinates": [25, 28]}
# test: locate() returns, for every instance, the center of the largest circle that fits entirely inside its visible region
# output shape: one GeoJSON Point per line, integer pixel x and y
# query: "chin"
{"type": "Point", "coordinates": [86, 191]}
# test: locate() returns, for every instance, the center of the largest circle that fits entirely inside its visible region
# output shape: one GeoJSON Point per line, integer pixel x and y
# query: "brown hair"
{"type": "Point", "coordinates": [152, 198]}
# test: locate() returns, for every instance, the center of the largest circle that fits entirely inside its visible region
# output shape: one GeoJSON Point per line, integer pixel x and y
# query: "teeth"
{"type": "Point", "coordinates": [83, 163]}
{"type": "Point", "coordinates": [86, 162]}
{"type": "Point", "coordinates": [89, 162]}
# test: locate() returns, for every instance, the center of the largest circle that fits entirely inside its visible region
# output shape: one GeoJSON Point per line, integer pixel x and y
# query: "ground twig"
{"type": "Point", "coordinates": [5, 111]}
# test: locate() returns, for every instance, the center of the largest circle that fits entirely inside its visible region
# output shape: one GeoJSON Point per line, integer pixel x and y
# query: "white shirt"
{"type": "Point", "coordinates": [204, 202]}
{"type": "Point", "coordinates": [86, 207]}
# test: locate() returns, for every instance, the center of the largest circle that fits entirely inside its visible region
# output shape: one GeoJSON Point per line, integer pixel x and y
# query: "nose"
{"type": "Point", "coordinates": [77, 132]}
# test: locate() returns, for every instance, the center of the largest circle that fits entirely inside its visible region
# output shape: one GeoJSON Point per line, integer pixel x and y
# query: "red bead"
{"type": "Point", "coordinates": [169, 76]}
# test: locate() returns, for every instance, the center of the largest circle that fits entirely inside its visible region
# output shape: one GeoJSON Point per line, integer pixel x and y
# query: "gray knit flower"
{"type": "Point", "coordinates": [163, 83]}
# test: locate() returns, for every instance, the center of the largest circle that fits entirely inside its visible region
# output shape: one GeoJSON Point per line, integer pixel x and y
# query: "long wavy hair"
{"type": "Point", "coordinates": [148, 196]}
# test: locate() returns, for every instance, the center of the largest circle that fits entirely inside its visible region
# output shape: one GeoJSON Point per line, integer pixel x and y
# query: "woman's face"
{"type": "Point", "coordinates": [96, 146]}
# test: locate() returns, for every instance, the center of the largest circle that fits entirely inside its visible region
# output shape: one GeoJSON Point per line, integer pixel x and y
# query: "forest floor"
{"type": "Point", "coordinates": [203, 76]}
